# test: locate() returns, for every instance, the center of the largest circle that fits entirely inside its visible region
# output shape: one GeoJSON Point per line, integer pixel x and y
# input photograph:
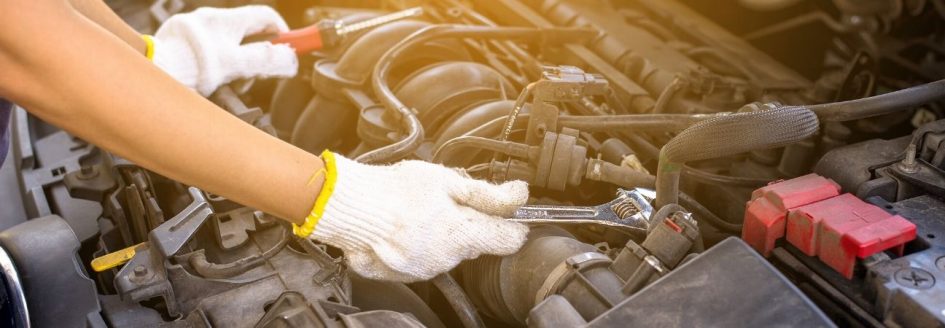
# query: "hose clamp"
{"type": "Point", "coordinates": [564, 270]}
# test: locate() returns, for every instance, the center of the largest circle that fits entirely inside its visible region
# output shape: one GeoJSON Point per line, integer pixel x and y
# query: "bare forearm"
{"type": "Point", "coordinates": [107, 94]}
{"type": "Point", "coordinates": [98, 12]}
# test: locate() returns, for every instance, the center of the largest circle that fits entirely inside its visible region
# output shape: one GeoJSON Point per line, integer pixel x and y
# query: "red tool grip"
{"type": "Point", "coordinates": [303, 40]}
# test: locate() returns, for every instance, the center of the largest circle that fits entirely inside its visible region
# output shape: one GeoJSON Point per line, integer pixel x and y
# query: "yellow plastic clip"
{"type": "Point", "coordinates": [115, 258]}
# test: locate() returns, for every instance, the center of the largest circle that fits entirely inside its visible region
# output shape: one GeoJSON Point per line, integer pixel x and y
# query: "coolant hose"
{"type": "Point", "coordinates": [458, 300]}
{"type": "Point", "coordinates": [880, 104]}
{"type": "Point", "coordinates": [406, 116]}
{"type": "Point", "coordinates": [729, 135]}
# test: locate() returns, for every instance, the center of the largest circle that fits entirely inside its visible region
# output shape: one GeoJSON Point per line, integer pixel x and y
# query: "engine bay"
{"type": "Point", "coordinates": [690, 163]}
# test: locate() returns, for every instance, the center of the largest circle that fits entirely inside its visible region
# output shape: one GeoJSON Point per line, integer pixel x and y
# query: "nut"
{"type": "Point", "coordinates": [140, 271]}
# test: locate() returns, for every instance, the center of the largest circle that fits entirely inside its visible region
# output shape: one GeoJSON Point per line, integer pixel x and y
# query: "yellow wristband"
{"type": "Point", "coordinates": [331, 175]}
{"type": "Point", "coordinates": [149, 42]}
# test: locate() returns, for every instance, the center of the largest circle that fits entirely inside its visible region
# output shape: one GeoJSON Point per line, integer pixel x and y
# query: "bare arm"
{"type": "Point", "coordinates": [73, 73]}
{"type": "Point", "coordinates": [98, 12]}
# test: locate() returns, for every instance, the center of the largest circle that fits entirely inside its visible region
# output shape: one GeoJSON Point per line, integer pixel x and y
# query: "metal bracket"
{"type": "Point", "coordinates": [169, 237]}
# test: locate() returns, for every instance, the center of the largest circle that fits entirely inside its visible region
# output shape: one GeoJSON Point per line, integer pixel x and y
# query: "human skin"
{"type": "Point", "coordinates": [83, 71]}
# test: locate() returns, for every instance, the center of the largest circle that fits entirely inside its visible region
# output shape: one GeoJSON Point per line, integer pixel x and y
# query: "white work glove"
{"type": "Point", "coordinates": [412, 220]}
{"type": "Point", "coordinates": [202, 50]}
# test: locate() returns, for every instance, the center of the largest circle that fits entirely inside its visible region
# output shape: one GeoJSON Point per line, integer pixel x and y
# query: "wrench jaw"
{"type": "Point", "coordinates": [629, 212]}
{"type": "Point", "coordinates": [639, 202]}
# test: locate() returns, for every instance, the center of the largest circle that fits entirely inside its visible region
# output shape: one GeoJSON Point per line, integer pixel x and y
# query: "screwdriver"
{"type": "Point", "coordinates": [328, 33]}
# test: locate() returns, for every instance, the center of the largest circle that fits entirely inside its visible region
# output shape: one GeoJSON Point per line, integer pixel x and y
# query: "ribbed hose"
{"type": "Point", "coordinates": [729, 135]}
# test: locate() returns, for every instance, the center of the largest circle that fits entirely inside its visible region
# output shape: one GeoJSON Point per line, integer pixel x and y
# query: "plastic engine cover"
{"type": "Point", "coordinates": [712, 291]}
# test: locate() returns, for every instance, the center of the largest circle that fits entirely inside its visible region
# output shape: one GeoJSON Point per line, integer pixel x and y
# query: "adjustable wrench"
{"type": "Point", "coordinates": [629, 212]}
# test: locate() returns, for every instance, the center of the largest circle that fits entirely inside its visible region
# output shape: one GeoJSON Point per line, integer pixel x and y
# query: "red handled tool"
{"type": "Point", "coordinates": [328, 33]}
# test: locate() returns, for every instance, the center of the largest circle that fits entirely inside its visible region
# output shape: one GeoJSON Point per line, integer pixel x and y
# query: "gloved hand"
{"type": "Point", "coordinates": [202, 50]}
{"type": "Point", "coordinates": [412, 220]}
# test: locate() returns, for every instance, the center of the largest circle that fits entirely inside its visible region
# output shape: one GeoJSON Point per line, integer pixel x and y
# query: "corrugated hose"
{"type": "Point", "coordinates": [729, 135]}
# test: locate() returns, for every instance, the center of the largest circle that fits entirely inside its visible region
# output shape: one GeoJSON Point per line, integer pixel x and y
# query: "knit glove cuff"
{"type": "Point", "coordinates": [413, 220]}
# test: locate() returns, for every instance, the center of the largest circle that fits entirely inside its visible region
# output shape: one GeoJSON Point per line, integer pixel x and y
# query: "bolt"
{"type": "Point", "coordinates": [140, 271]}
{"type": "Point", "coordinates": [87, 172]}
{"type": "Point", "coordinates": [915, 278]}
{"type": "Point", "coordinates": [908, 164]}
{"type": "Point", "coordinates": [685, 216]}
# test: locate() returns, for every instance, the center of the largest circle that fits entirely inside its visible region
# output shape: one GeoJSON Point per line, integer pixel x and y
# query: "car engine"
{"type": "Point", "coordinates": [690, 163]}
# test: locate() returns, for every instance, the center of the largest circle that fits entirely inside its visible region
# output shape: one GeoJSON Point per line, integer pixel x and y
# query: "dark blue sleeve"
{"type": "Point", "coordinates": [5, 108]}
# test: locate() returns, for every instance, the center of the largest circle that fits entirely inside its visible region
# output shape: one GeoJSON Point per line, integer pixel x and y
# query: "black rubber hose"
{"type": "Point", "coordinates": [633, 123]}
{"type": "Point", "coordinates": [620, 175]}
{"type": "Point", "coordinates": [646, 151]}
{"type": "Point", "coordinates": [408, 120]}
{"type": "Point", "coordinates": [880, 104]}
{"type": "Point", "coordinates": [503, 147]}
{"type": "Point", "coordinates": [722, 180]}
{"type": "Point", "coordinates": [729, 135]}
{"type": "Point", "coordinates": [707, 216]}
{"type": "Point", "coordinates": [609, 123]}
{"type": "Point", "coordinates": [221, 271]}
{"type": "Point", "coordinates": [458, 300]}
